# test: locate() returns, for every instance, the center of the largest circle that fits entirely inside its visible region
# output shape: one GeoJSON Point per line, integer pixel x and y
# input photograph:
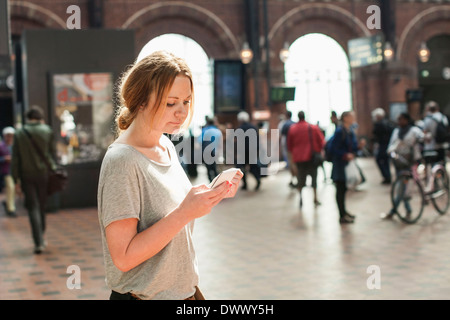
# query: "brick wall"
{"type": "Point", "coordinates": [219, 27]}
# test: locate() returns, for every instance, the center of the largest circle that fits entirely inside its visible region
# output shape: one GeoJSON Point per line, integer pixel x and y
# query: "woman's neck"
{"type": "Point", "coordinates": [141, 136]}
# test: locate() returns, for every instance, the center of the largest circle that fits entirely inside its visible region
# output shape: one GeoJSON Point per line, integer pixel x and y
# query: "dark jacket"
{"type": "Point", "coordinates": [26, 161]}
{"type": "Point", "coordinates": [343, 142]}
{"type": "Point", "coordinates": [382, 131]}
{"type": "Point", "coordinates": [251, 144]}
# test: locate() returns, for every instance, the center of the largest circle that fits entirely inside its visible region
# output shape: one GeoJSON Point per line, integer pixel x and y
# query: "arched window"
{"type": "Point", "coordinates": [200, 65]}
{"type": "Point", "coordinates": [319, 69]}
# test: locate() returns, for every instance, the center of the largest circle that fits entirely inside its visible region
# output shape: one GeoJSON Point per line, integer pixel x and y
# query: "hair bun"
{"type": "Point", "coordinates": [123, 119]}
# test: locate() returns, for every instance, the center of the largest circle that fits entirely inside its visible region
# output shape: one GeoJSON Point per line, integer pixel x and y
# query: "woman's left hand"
{"type": "Point", "coordinates": [235, 184]}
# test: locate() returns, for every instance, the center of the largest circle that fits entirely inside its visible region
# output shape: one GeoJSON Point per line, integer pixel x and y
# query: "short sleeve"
{"type": "Point", "coordinates": [119, 192]}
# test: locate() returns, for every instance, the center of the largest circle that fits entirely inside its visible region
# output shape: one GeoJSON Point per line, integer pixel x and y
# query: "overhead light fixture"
{"type": "Point", "coordinates": [424, 52]}
{"type": "Point", "coordinates": [388, 51]}
{"type": "Point", "coordinates": [284, 52]}
{"type": "Point", "coordinates": [246, 54]}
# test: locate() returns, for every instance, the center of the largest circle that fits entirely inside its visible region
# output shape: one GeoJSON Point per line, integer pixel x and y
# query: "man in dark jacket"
{"type": "Point", "coordinates": [382, 131]}
{"type": "Point", "coordinates": [30, 172]}
{"type": "Point", "coordinates": [251, 150]}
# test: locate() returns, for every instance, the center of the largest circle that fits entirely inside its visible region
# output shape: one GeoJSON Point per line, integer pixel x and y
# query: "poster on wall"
{"type": "Point", "coordinates": [395, 109]}
{"type": "Point", "coordinates": [228, 86]}
{"type": "Point", "coordinates": [82, 115]}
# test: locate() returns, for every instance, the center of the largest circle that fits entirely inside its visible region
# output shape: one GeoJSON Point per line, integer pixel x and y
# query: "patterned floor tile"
{"type": "Point", "coordinates": [259, 245]}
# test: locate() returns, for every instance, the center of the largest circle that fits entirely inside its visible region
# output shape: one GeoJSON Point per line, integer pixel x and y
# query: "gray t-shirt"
{"type": "Point", "coordinates": [133, 186]}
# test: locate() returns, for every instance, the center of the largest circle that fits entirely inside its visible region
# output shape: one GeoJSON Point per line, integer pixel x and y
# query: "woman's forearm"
{"type": "Point", "coordinates": [128, 250]}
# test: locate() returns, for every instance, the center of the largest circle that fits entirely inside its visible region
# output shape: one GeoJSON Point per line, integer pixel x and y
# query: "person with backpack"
{"type": "Point", "coordinates": [435, 129]}
{"type": "Point", "coordinates": [342, 148]}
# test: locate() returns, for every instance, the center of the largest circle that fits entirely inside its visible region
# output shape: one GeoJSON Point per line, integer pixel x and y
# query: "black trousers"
{"type": "Point", "coordinates": [341, 189]}
{"type": "Point", "coordinates": [211, 169]}
{"type": "Point", "coordinates": [255, 170]}
{"type": "Point", "coordinates": [35, 193]}
{"type": "Point", "coordinates": [121, 296]}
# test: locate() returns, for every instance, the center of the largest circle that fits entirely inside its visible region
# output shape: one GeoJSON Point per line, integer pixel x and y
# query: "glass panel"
{"type": "Point", "coordinates": [83, 112]}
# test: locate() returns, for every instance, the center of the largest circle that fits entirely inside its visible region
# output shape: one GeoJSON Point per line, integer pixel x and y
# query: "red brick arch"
{"type": "Point", "coordinates": [327, 19]}
{"type": "Point", "coordinates": [28, 15]}
{"type": "Point", "coordinates": [187, 19]}
{"type": "Point", "coordinates": [422, 27]}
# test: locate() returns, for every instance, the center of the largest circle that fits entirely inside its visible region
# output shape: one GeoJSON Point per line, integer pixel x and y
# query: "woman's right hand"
{"type": "Point", "coordinates": [349, 156]}
{"type": "Point", "coordinates": [201, 199]}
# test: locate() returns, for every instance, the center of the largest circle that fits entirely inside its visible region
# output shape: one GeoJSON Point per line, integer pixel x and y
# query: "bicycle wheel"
{"type": "Point", "coordinates": [407, 198]}
{"type": "Point", "coordinates": [440, 195]}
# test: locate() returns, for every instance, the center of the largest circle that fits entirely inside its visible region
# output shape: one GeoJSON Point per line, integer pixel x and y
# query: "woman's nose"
{"type": "Point", "coordinates": [182, 110]}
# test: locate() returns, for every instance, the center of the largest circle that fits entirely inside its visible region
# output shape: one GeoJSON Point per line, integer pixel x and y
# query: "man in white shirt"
{"type": "Point", "coordinates": [433, 150]}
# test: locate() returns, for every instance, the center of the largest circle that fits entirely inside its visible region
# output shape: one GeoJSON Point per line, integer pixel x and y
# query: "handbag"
{"type": "Point", "coordinates": [353, 175]}
{"type": "Point", "coordinates": [57, 178]}
{"type": "Point", "coordinates": [316, 157]}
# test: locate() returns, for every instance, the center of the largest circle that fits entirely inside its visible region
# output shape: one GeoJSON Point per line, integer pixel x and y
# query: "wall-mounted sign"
{"type": "Point", "coordinates": [366, 51]}
{"type": "Point", "coordinates": [282, 94]}
{"type": "Point", "coordinates": [229, 86]}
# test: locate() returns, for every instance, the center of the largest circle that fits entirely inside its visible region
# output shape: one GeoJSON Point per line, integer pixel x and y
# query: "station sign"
{"type": "Point", "coordinates": [366, 51]}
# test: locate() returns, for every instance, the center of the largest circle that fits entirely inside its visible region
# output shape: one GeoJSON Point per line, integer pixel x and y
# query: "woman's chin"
{"type": "Point", "coordinates": [175, 131]}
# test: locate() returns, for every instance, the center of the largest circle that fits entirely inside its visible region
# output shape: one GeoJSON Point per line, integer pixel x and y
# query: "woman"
{"type": "Point", "coordinates": [405, 142]}
{"type": "Point", "coordinates": [343, 147]}
{"type": "Point", "coordinates": [146, 203]}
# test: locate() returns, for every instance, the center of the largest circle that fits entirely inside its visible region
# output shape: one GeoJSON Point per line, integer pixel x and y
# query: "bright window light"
{"type": "Point", "coordinates": [201, 68]}
{"type": "Point", "coordinates": [319, 69]}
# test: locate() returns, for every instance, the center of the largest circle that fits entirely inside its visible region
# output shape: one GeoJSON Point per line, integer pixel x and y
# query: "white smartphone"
{"type": "Point", "coordinates": [226, 175]}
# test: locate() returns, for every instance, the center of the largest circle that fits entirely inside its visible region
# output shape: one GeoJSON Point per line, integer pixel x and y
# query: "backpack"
{"type": "Point", "coordinates": [328, 153]}
{"type": "Point", "coordinates": [442, 135]}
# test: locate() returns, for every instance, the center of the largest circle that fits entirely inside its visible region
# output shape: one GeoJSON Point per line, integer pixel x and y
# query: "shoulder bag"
{"type": "Point", "coordinates": [316, 157]}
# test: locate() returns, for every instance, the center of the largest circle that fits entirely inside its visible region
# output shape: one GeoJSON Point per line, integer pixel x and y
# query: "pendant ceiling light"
{"type": "Point", "coordinates": [246, 54]}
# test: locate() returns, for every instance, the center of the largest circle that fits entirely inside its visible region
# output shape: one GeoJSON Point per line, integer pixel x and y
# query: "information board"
{"type": "Point", "coordinates": [366, 51]}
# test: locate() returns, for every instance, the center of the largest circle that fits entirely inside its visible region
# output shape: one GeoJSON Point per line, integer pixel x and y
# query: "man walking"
{"type": "Point", "coordinates": [211, 142]}
{"type": "Point", "coordinates": [303, 140]}
{"type": "Point", "coordinates": [382, 131]}
{"type": "Point", "coordinates": [435, 142]}
{"type": "Point", "coordinates": [250, 154]}
{"type": "Point", "coordinates": [30, 172]}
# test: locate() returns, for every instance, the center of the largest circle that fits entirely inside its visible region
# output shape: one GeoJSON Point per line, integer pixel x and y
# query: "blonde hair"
{"type": "Point", "coordinates": [153, 75]}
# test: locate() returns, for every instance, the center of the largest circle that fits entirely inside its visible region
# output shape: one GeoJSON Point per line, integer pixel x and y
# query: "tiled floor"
{"type": "Point", "coordinates": [258, 245]}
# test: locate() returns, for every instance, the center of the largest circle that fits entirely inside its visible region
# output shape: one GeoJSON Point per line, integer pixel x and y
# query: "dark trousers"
{"type": "Point", "coordinates": [382, 160]}
{"type": "Point", "coordinates": [341, 189]}
{"type": "Point", "coordinates": [122, 296]}
{"type": "Point", "coordinates": [35, 192]}
{"type": "Point", "coordinates": [198, 295]}
{"type": "Point", "coordinates": [211, 169]}
{"type": "Point", "coordinates": [255, 170]}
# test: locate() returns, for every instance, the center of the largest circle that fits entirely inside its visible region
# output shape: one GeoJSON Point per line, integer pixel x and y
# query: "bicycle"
{"type": "Point", "coordinates": [409, 189]}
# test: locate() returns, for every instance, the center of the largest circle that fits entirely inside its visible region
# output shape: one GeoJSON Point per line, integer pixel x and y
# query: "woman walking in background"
{"type": "Point", "coordinates": [343, 147]}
